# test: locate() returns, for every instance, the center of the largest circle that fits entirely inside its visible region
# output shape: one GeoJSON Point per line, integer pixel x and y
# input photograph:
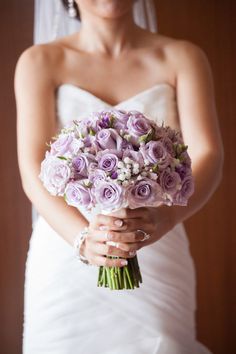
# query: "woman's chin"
{"type": "Point", "coordinates": [112, 9]}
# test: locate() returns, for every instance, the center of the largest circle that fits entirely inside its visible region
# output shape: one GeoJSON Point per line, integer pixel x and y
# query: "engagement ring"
{"type": "Point", "coordinates": [146, 236]}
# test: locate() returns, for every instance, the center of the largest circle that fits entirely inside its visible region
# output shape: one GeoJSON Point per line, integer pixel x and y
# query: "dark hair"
{"type": "Point", "coordinates": [66, 5]}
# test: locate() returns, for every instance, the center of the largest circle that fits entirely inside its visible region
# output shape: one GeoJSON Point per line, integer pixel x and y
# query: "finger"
{"type": "Point", "coordinates": [98, 236]}
{"type": "Point", "coordinates": [108, 262]}
{"type": "Point", "coordinates": [106, 222]}
{"type": "Point", "coordinates": [110, 250]}
{"type": "Point", "coordinates": [131, 248]}
{"type": "Point", "coordinates": [126, 213]}
{"type": "Point", "coordinates": [125, 237]}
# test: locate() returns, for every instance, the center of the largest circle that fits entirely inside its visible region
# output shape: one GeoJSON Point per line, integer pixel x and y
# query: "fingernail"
{"type": "Point", "coordinates": [124, 262]}
{"type": "Point", "coordinates": [108, 236]}
{"type": "Point", "coordinates": [111, 243]}
{"type": "Point", "coordinates": [103, 227]}
{"type": "Point", "coordinates": [118, 222]}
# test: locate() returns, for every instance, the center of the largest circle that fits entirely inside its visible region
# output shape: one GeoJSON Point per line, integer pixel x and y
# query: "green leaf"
{"type": "Point", "coordinates": [155, 168]}
{"type": "Point", "coordinates": [92, 132]}
{"type": "Point", "coordinates": [112, 120]}
{"type": "Point", "coordinates": [87, 184]}
{"type": "Point", "coordinates": [147, 137]}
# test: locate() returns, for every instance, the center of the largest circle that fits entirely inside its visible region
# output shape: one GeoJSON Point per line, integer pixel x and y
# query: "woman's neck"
{"type": "Point", "coordinates": [107, 36]}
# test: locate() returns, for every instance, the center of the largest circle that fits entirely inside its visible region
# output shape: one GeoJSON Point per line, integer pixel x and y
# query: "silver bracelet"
{"type": "Point", "coordinates": [78, 241]}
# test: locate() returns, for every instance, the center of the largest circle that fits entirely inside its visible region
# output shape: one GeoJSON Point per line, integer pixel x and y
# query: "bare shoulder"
{"type": "Point", "coordinates": [39, 62]}
{"type": "Point", "coordinates": [186, 56]}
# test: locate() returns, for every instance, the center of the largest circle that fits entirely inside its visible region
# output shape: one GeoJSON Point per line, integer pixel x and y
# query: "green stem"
{"type": "Point", "coordinates": [116, 278]}
{"type": "Point", "coordinates": [108, 277]}
{"type": "Point", "coordinates": [100, 276]}
{"type": "Point", "coordinates": [119, 277]}
{"type": "Point", "coordinates": [125, 279]}
{"type": "Point", "coordinates": [128, 277]}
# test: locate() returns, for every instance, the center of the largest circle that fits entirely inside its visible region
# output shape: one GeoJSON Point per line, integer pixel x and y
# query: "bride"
{"type": "Point", "coordinates": [113, 63]}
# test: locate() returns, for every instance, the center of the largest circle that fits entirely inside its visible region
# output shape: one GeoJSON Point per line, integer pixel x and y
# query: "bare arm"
{"type": "Point", "coordinates": [199, 125]}
{"type": "Point", "coordinates": [36, 124]}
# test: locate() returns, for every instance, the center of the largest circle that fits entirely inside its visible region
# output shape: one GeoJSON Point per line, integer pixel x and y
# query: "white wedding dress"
{"type": "Point", "coordinates": [66, 313]}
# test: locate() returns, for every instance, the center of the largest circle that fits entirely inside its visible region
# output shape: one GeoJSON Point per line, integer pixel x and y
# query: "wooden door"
{"type": "Point", "coordinates": [16, 24]}
{"type": "Point", "coordinates": [211, 24]}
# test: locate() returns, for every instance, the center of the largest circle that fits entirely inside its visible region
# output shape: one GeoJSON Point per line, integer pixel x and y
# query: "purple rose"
{"type": "Point", "coordinates": [62, 145]}
{"type": "Point", "coordinates": [185, 158]}
{"type": "Point", "coordinates": [156, 153]}
{"type": "Point", "coordinates": [170, 182]}
{"type": "Point", "coordinates": [55, 174]}
{"type": "Point", "coordinates": [173, 135]}
{"type": "Point", "coordinates": [138, 125]}
{"type": "Point", "coordinates": [121, 119]}
{"type": "Point", "coordinates": [134, 155]}
{"type": "Point", "coordinates": [168, 145]}
{"type": "Point", "coordinates": [160, 132]}
{"type": "Point", "coordinates": [66, 145]}
{"type": "Point", "coordinates": [109, 139]}
{"type": "Point", "coordinates": [81, 163]}
{"type": "Point", "coordinates": [183, 171]}
{"type": "Point", "coordinates": [77, 194]}
{"type": "Point", "coordinates": [88, 124]}
{"type": "Point", "coordinates": [145, 192]}
{"type": "Point", "coordinates": [187, 189]}
{"type": "Point", "coordinates": [92, 166]}
{"type": "Point", "coordinates": [108, 161]}
{"type": "Point", "coordinates": [106, 119]}
{"type": "Point", "coordinates": [97, 176]}
{"type": "Point", "coordinates": [109, 196]}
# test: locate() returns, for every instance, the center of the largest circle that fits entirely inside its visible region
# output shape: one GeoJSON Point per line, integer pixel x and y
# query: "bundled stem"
{"type": "Point", "coordinates": [118, 278]}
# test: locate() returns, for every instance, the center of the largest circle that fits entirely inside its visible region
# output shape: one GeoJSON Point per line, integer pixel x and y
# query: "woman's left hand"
{"type": "Point", "coordinates": [123, 224]}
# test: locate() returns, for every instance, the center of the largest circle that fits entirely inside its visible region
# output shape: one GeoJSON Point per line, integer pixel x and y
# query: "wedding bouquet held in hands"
{"type": "Point", "coordinates": [113, 159]}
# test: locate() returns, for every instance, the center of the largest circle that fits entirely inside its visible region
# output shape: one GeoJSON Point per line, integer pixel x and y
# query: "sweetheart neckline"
{"type": "Point", "coordinates": [143, 92]}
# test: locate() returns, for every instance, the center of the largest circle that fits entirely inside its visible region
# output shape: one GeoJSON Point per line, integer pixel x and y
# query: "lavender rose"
{"type": "Point", "coordinates": [61, 145]}
{"type": "Point", "coordinates": [80, 165]}
{"type": "Point", "coordinates": [183, 171]}
{"type": "Point", "coordinates": [109, 196]}
{"type": "Point", "coordinates": [170, 182]}
{"type": "Point", "coordinates": [145, 192]}
{"type": "Point", "coordinates": [185, 158]}
{"type": "Point", "coordinates": [66, 145]}
{"type": "Point", "coordinates": [77, 194]}
{"type": "Point", "coordinates": [108, 162]}
{"type": "Point", "coordinates": [88, 124]}
{"type": "Point", "coordinates": [182, 196]}
{"type": "Point", "coordinates": [168, 145]}
{"type": "Point", "coordinates": [156, 153]}
{"type": "Point", "coordinates": [109, 139]}
{"type": "Point", "coordinates": [121, 119]}
{"type": "Point", "coordinates": [138, 125]}
{"type": "Point", "coordinates": [55, 174]}
{"type": "Point", "coordinates": [97, 176]}
{"type": "Point", "coordinates": [134, 155]}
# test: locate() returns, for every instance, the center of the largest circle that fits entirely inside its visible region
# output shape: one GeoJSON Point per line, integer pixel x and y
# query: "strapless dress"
{"type": "Point", "coordinates": [64, 310]}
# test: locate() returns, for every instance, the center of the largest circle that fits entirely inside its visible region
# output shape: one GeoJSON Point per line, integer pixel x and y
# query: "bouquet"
{"type": "Point", "coordinates": [115, 159]}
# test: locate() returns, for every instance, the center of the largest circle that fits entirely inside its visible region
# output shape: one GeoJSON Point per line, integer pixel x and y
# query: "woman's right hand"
{"type": "Point", "coordinates": [96, 247]}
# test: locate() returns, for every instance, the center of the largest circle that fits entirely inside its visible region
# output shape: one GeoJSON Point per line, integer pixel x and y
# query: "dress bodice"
{"type": "Point", "coordinates": [158, 102]}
